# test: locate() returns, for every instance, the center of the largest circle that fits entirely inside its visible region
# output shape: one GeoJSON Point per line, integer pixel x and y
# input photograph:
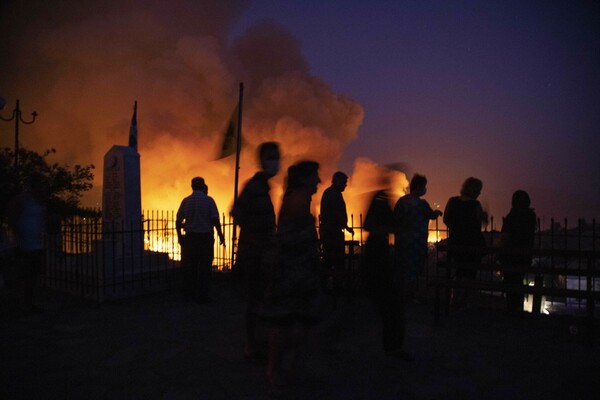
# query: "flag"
{"type": "Point", "coordinates": [133, 132]}
{"type": "Point", "coordinates": [230, 135]}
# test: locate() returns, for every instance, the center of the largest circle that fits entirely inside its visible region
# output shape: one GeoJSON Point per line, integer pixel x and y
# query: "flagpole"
{"type": "Point", "coordinates": [238, 147]}
{"type": "Point", "coordinates": [133, 133]}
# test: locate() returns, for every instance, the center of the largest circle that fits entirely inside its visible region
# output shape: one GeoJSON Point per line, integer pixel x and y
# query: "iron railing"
{"type": "Point", "coordinates": [103, 262]}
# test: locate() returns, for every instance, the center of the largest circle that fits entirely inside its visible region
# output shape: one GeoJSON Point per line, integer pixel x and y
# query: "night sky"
{"type": "Point", "coordinates": [505, 91]}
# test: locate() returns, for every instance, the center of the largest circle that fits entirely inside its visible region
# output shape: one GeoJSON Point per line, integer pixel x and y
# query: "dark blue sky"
{"type": "Point", "coordinates": [505, 91]}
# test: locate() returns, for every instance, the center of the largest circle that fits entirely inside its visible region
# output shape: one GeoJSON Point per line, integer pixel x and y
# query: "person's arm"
{"type": "Point", "coordinates": [345, 219]}
{"type": "Point", "coordinates": [430, 213]}
{"type": "Point", "coordinates": [350, 230]}
{"type": "Point", "coordinates": [448, 213]}
{"type": "Point", "coordinates": [217, 224]}
{"type": "Point", "coordinates": [340, 214]}
{"type": "Point", "coordinates": [179, 228]}
{"type": "Point", "coordinates": [214, 220]}
{"type": "Point", "coordinates": [505, 231]}
{"type": "Point", "coordinates": [482, 215]}
{"type": "Point", "coordinates": [179, 223]}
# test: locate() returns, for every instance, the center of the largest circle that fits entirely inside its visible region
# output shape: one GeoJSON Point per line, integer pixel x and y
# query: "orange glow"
{"type": "Point", "coordinates": [153, 242]}
{"type": "Point", "coordinates": [363, 183]}
{"type": "Point", "coordinates": [435, 235]}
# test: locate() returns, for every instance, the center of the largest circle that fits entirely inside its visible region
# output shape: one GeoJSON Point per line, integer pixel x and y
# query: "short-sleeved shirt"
{"type": "Point", "coordinates": [197, 213]}
{"type": "Point", "coordinates": [412, 217]}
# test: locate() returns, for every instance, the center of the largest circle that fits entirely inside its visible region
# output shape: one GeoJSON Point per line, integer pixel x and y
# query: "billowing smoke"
{"type": "Point", "coordinates": [367, 178]}
{"type": "Point", "coordinates": [82, 66]}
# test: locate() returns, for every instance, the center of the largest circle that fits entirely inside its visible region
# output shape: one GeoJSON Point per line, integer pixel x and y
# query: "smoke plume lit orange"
{"type": "Point", "coordinates": [82, 69]}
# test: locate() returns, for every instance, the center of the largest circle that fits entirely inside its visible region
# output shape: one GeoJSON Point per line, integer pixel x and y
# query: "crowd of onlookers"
{"type": "Point", "coordinates": [290, 270]}
{"type": "Point", "coordinates": [286, 280]}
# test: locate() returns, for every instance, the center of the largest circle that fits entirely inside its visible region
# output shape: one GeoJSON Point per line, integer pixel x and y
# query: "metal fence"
{"type": "Point", "coordinates": [94, 261]}
{"type": "Point", "coordinates": [102, 261]}
{"type": "Point", "coordinates": [565, 254]}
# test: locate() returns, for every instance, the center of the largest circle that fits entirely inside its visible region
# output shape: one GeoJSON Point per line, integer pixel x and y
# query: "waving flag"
{"type": "Point", "coordinates": [230, 136]}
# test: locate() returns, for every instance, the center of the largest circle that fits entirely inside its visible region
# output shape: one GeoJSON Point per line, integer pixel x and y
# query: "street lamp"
{"type": "Point", "coordinates": [18, 117]}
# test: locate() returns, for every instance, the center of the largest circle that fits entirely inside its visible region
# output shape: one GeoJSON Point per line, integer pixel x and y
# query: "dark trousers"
{"type": "Point", "coordinates": [387, 288]}
{"type": "Point", "coordinates": [514, 300]}
{"type": "Point", "coordinates": [392, 309]}
{"type": "Point", "coordinates": [197, 253]}
{"type": "Point", "coordinates": [333, 242]}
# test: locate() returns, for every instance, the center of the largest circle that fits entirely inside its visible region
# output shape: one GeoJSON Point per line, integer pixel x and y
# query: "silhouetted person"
{"type": "Point", "coordinates": [197, 216]}
{"type": "Point", "coordinates": [294, 298]}
{"type": "Point", "coordinates": [334, 220]}
{"type": "Point", "coordinates": [379, 269]}
{"type": "Point", "coordinates": [411, 221]}
{"type": "Point", "coordinates": [27, 218]}
{"type": "Point", "coordinates": [464, 217]}
{"type": "Point", "coordinates": [517, 239]}
{"type": "Point", "coordinates": [411, 217]}
{"type": "Point", "coordinates": [378, 222]}
{"type": "Point", "coordinates": [254, 213]}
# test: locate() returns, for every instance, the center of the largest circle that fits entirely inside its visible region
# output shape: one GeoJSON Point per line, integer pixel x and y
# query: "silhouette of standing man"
{"type": "Point", "coordinates": [411, 218]}
{"type": "Point", "coordinates": [334, 220]}
{"type": "Point", "coordinates": [197, 216]}
{"type": "Point", "coordinates": [254, 213]}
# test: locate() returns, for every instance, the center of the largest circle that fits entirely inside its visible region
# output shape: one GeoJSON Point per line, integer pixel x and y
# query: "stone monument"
{"type": "Point", "coordinates": [121, 197]}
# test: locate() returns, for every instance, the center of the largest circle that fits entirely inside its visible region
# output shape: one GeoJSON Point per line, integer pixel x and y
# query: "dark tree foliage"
{"type": "Point", "coordinates": [65, 185]}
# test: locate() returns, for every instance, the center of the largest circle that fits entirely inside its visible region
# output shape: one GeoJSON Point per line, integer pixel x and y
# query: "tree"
{"type": "Point", "coordinates": [65, 185]}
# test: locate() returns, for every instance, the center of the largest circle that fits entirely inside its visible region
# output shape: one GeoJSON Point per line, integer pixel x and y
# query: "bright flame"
{"type": "Point", "coordinates": [436, 235]}
{"type": "Point", "coordinates": [153, 242]}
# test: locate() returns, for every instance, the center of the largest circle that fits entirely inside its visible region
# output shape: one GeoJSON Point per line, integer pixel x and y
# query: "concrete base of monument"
{"type": "Point", "coordinates": [102, 275]}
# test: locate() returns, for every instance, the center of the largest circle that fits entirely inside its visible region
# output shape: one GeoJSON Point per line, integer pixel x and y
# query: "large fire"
{"type": "Point", "coordinates": [363, 183]}
{"type": "Point", "coordinates": [183, 65]}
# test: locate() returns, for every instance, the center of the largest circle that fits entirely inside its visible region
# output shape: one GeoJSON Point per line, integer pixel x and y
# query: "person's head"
{"type": "Point", "coordinates": [268, 156]}
{"type": "Point", "coordinates": [304, 174]}
{"type": "Point", "coordinates": [339, 181]}
{"type": "Point", "coordinates": [520, 199]}
{"type": "Point", "coordinates": [418, 185]}
{"type": "Point", "coordinates": [198, 184]}
{"type": "Point", "coordinates": [471, 188]}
